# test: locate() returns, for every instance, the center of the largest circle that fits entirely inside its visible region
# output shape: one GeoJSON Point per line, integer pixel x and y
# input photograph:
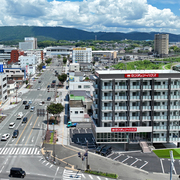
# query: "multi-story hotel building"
{"type": "Point", "coordinates": [133, 105]}
{"type": "Point", "coordinates": [82, 55]}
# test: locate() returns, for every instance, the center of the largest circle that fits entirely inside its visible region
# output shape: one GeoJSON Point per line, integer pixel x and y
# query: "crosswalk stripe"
{"type": "Point", "coordinates": [68, 174]}
{"type": "Point", "coordinates": [19, 150]}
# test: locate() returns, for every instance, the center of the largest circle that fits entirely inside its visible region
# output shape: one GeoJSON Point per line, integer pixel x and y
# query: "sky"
{"type": "Point", "coordinates": [94, 15]}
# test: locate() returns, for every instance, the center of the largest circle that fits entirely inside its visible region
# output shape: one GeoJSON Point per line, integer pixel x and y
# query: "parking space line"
{"type": "Point", "coordinates": [83, 176]}
{"type": "Point", "coordinates": [118, 156]}
{"type": "Point", "coordinates": [90, 176]}
{"type": "Point", "coordinates": [125, 159]}
{"type": "Point", "coordinates": [110, 154]}
{"type": "Point", "coordinates": [162, 165]}
{"type": "Point", "coordinates": [144, 164]}
{"type": "Point", "coordinates": [134, 162]}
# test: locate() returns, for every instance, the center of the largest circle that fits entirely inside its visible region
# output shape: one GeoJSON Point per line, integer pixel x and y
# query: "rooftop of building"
{"type": "Point", "coordinates": [134, 71]}
{"type": "Point", "coordinates": [75, 103]}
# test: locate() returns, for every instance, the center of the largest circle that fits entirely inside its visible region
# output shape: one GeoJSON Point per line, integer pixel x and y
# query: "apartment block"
{"type": "Point", "coordinates": [136, 105]}
{"type": "Point", "coordinates": [161, 44]}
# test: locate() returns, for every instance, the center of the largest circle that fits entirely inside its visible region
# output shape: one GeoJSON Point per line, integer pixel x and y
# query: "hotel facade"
{"type": "Point", "coordinates": [129, 106]}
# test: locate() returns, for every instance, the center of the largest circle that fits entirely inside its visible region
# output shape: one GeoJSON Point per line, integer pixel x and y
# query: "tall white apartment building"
{"type": "Point", "coordinates": [161, 44]}
{"type": "Point", "coordinates": [80, 55]}
{"type": "Point", "coordinates": [136, 105]}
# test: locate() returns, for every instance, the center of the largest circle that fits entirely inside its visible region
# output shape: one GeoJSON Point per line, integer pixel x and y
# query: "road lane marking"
{"type": "Point", "coordinates": [35, 150]}
{"type": "Point", "coordinates": [26, 151]}
{"type": "Point", "coordinates": [11, 151]}
{"type": "Point", "coordinates": [24, 129]}
{"type": "Point", "coordinates": [32, 150]}
{"type": "Point", "coordinates": [29, 151]}
{"type": "Point", "coordinates": [162, 165]}
{"type": "Point", "coordinates": [90, 176]}
{"type": "Point", "coordinates": [17, 150]}
{"type": "Point", "coordinates": [32, 129]}
{"type": "Point", "coordinates": [98, 177]}
{"type": "Point", "coordinates": [23, 139]}
{"type": "Point", "coordinates": [1, 169]}
{"type": "Point", "coordinates": [23, 150]}
{"type": "Point", "coordinates": [144, 164]}
{"type": "Point", "coordinates": [5, 151]}
{"type": "Point", "coordinates": [32, 139]}
{"type": "Point", "coordinates": [51, 166]}
{"type": "Point", "coordinates": [46, 164]}
{"type": "Point", "coordinates": [110, 154]}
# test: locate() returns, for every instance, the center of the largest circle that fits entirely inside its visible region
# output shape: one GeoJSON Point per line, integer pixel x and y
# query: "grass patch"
{"type": "Point", "coordinates": [0, 116]}
{"type": "Point", "coordinates": [52, 138]}
{"type": "Point", "coordinates": [165, 153]}
{"type": "Point", "coordinates": [13, 103]}
{"type": "Point", "coordinates": [114, 176]}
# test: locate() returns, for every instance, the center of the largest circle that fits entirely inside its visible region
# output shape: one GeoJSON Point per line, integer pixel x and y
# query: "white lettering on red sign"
{"type": "Point", "coordinates": [151, 75]}
{"type": "Point", "coordinates": [123, 129]}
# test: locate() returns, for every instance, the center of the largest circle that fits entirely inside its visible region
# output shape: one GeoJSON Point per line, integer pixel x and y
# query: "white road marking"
{"type": "Point", "coordinates": [56, 173]}
{"type": "Point", "coordinates": [51, 166]}
{"type": "Point", "coordinates": [31, 124]}
{"type": "Point", "coordinates": [29, 150]}
{"type": "Point", "coordinates": [125, 159]}
{"type": "Point", "coordinates": [110, 154]}
{"type": "Point", "coordinates": [118, 156]}
{"type": "Point", "coordinates": [90, 176]}
{"type": "Point", "coordinates": [12, 140]}
{"type": "Point", "coordinates": [11, 151]}
{"type": "Point", "coordinates": [14, 151]}
{"type": "Point", "coordinates": [35, 150]}
{"type": "Point", "coordinates": [43, 162]}
{"type": "Point", "coordinates": [23, 150]}
{"type": "Point", "coordinates": [26, 151]}
{"type": "Point", "coordinates": [1, 169]}
{"type": "Point", "coordinates": [23, 138]}
{"type": "Point", "coordinates": [5, 150]}
{"type": "Point", "coordinates": [32, 139]}
{"type": "Point", "coordinates": [98, 177]}
{"type": "Point", "coordinates": [144, 165]}
{"type": "Point", "coordinates": [17, 150]}
{"type": "Point", "coordinates": [39, 124]}
{"type": "Point", "coordinates": [134, 162]}
{"type": "Point", "coordinates": [46, 164]}
{"type": "Point", "coordinates": [83, 176]}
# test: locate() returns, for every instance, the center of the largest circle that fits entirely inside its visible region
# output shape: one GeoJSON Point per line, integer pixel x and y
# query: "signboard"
{"type": "Point", "coordinates": [1, 68]}
{"type": "Point", "coordinates": [123, 129]}
{"type": "Point", "coordinates": [150, 75]}
{"type": "Point", "coordinates": [44, 67]}
{"type": "Point", "coordinates": [79, 48]}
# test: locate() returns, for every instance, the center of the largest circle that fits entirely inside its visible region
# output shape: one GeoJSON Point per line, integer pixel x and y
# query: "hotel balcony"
{"type": "Point", "coordinates": [174, 127]}
{"type": "Point", "coordinates": [147, 87]}
{"type": "Point", "coordinates": [146, 97]}
{"type": "Point", "coordinates": [160, 107]}
{"type": "Point", "coordinates": [120, 118]}
{"type": "Point", "coordinates": [106, 117]}
{"type": "Point", "coordinates": [135, 97]}
{"type": "Point", "coordinates": [95, 105]}
{"type": "Point", "coordinates": [175, 87]}
{"type": "Point", "coordinates": [134, 118]}
{"type": "Point", "coordinates": [146, 117]}
{"type": "Point", "coordinates": [174, 117]}
{"type": "Point", "coordinates": [120, 107]}
{"type": "Point", "coordinates": [135, 87]}
{"type": "Point", "coordinates": [160, 97]}
{"type": "Point", "coordinates": [134, 107]}
{"type": "Point", "coordinates": [160, 128]}
{"type": "Point", "coordinates": [120, 97]}
{"type": "Point", "coordinates": [146, 107]}
{"type": "Point", "coordinates": [159, 139]}
{"type": "Point", "coordinates": [107, 108]}
{"type": "Point", "coordinates": [95, 85]}
{"type": "Point", "coordinates": [175, 97]}
{"type": "Point", "coordinates": [161, 87]}
{"type": "Point", "coordinates": [160, 118]}
{"type": "Point", "coordinates": [106, 87]}
{"type": "Point", "coordinates": [95, 95]}
{"type": "Point", "coordinates": [120, 87]}
{"type": "Point", "coordinates": [174, 107]}
{"type": "Point", "coordinates": [107, 98]}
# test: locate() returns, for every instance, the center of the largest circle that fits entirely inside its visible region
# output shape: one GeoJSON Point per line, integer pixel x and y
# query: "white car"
{"type": "Point", "coordinates": [5, 137]}
{"type": "Point", "coordinates": [40, 103]}
{"type": "Point", "coordinates": [11, 125]}
{"type": "Point", "coordinates": [38, 88]}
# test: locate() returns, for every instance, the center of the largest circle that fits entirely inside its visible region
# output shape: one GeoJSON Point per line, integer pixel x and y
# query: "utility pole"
{"type": "Point", "coordinates": [87, 166]}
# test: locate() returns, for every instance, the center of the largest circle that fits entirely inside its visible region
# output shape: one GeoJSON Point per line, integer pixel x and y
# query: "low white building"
{"type": "Point", "coordinates": [3, 88]}
{"type": "Point", "coordinates": [11, 87]}
{"type": "Point", "coordinates": [86, 86]}
{"type": "Point", "coordinates": [27, 60]}
{"type": "Point", "coordinates": [74, 67]}
{"type": "Point", "coordinates": [76, 111]}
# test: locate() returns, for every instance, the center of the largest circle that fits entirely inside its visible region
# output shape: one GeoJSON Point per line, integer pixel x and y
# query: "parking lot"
{"type": "Point", "coordinates": [148, 162]}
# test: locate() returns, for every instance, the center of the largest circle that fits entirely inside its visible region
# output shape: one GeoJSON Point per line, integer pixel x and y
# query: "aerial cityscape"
{"type": "Point", "coordinates": [90, 90]}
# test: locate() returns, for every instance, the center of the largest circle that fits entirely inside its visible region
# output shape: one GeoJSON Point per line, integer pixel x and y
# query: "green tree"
{"type": "Point", "coordinates": [58, 56]}
{"type": "Point", "coordinates": [62, 77]}
{"type": "Point", "coordinates": [39, 67]}
{"type": "Point", "coordinates": [64, 60]}
{"type": "Point", "coordinates": [55, 109]}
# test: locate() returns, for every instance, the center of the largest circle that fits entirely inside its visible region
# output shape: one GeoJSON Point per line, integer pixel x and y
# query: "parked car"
{"type": "Point", "coordinates": [24, 120]}
{"type": "Point", "coordinates": [32, 108]}
{"type": "Point", "coordinates": [27, 106]}
{"type": "Point", "coordinates": [40, 103]}
{"type": "Point", "coordinates": [49, 98]}
{"type": "Point", "coordinates": [24, 102]}
{"type": "Point", "coordinates": [99, 149]}
{"type": "Point", "coordinates": [70, 124]}
{"type": "Point", "coordinates": [15, 133]}
{"type": "Point", "coordinates": [54, 81]}
{"type": "Point", "coordinates": [5, 137]}
{"type": "Point", "coordinates": [20, 115]}
{"type": "Point", "coordinates": [30, 102]}
{"type": "Point", "coordinates": [17, 172]}
{"type": "Point", "coordinates": [11, 125]}
{"type": "Point", "coordinates": [38, 88]}
{"type": "Point", "coordinates": [39, 81]}
{"type": "Point", "coordinates": [106, 150]}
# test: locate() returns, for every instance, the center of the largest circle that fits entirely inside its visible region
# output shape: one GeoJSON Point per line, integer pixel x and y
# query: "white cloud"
{"type": "Point", "coordinates": [91, 15]}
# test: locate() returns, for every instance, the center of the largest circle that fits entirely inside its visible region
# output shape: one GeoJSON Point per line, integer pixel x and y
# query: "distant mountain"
{"type": "Point", "coordinates": [8, 33]}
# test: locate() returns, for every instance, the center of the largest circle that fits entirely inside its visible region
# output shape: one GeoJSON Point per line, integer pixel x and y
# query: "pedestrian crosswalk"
{"type": "Point", "coordinates": [20, 150]}
{"type": "Point", "coordinates": [68, 174]}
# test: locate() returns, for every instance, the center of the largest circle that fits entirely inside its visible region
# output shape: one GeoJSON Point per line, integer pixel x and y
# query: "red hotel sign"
{"type": "Point", "coordinates": [123, 129]}
{"type": "Point", "coordinates": [151, 75]}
